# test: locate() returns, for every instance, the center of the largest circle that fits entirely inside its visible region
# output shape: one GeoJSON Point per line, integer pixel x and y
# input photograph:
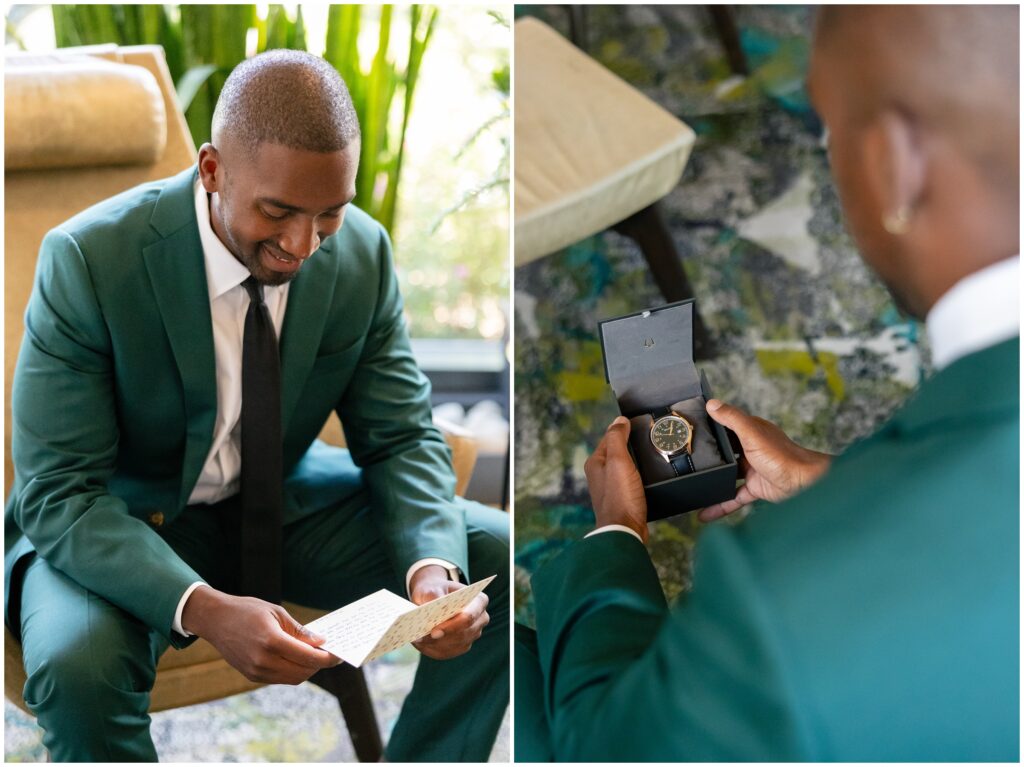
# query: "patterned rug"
{"type": "Point", "coordinates": [272, 724]}
{"type": "Point", "coordinates": [806, 336]}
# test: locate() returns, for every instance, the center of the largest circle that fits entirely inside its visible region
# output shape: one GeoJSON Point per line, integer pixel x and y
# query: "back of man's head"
{"type": "Point", "coordinates": [922, 106]}
{"type": "Point", "coordinates": [285, 97]}
{"type": "Point", "coordinates": [955, 68]}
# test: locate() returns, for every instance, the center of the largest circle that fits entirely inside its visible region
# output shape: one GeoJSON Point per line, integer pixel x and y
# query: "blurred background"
{"type": "Point", "coordinates": [799, 332]}
{"type": "Point", "coordinates": [431, 86]}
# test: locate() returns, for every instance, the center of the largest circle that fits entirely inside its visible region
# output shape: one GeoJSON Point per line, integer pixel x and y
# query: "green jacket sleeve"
{"type": "Point", "coordinates": [627, 680]}
{"type": "Point", "coordinates": [64, 446]}
{"type": "Point", "coordinates": [389, 430]}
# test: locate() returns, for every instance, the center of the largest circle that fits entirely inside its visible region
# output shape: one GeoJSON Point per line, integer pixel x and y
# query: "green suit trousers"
{"type": "Point", "coordinates": [91, 666]}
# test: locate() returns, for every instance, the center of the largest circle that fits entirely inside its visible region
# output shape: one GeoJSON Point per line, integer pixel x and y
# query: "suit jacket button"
{"type": "Point", "coordinates": [156, 518]}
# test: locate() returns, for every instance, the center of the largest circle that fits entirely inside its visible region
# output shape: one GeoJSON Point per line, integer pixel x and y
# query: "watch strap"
{"type": "Point", "coordinates": [682, 464]}
{"type": "Point", "coordinates": [660, 412]}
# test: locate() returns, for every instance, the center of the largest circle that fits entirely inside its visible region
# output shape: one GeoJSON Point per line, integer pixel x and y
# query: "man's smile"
{"type": "Point", "coordinates": [279, 261]}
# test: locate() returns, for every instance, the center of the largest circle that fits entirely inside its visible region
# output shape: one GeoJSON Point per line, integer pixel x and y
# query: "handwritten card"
{"type": "Point", "coordinates": [383, 621]}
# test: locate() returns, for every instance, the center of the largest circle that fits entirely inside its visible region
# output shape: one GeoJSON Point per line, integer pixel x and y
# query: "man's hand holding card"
{"type": "Point", "coordinates": [383, 621]}
{"type": "Point", "coordinates": [456, 635]}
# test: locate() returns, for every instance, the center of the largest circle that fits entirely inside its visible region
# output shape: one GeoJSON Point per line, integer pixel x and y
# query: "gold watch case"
{"type": "Point", "coordinates": [672, 435]}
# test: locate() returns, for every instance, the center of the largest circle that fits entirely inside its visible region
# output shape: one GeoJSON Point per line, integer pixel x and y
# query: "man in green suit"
{"type": "Point", "coordinates": [122, 527]}
{"type": "Point", "coordinates": [873, 614]}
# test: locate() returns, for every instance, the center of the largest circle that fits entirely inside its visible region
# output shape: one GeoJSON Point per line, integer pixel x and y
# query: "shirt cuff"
{"type": "Point", "coordinates": [181, 607]}
{"type": "Point", "coordinates": [453, 571]}
{"type": "Point", "coordinates": [620, 528]}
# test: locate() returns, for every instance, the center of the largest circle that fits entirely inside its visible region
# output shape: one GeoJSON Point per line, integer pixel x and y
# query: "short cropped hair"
{"type": "Point", "coordinates": [286, 97]}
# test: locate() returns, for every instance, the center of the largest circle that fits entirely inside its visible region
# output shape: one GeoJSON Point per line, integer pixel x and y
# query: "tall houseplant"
{"type": "Point", "coordinates": [373, 92]}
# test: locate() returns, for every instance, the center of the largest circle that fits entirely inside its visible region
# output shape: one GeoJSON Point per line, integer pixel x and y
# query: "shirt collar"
{"type": "Point", "coordinates": [979, 311]}
{"type": "Point", "coordinates": [223, 270]}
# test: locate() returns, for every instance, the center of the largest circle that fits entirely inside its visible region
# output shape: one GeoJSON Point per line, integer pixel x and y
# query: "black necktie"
{"type": "Point", "coordinates": [262, 472]}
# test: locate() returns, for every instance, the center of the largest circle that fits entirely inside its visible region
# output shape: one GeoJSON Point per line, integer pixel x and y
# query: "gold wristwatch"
{"type": "Point", "coordinates": [672, 437]}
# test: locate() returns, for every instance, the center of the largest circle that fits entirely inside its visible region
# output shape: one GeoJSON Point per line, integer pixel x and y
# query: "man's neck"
{"type": "Point", "coordinates": [217, 224]}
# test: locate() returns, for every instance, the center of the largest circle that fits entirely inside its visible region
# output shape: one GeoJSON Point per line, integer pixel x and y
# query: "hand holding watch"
{"type": "Point", "coordinates": [672, 437]}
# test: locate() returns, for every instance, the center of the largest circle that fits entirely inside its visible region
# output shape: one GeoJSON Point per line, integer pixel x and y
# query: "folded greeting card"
{"type": "Point", "coordinates": [383, 621]}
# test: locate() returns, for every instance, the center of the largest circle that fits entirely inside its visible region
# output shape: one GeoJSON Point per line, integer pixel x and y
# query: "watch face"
{"type": "Point", "coordinates": [670, 434]}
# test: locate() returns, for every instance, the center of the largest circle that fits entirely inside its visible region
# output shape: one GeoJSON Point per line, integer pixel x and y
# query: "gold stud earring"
{"type": "Point", "coordinates": [897, 223]}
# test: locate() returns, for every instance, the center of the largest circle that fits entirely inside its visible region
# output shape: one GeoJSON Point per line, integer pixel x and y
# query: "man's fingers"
{"type": "Point", "coordinates": [462, 620]}
{"type": "Point", "coordinates": [744, 495]}
{"type": "Point", "coordinates": [612, 433]}
{"type": "Point", "coordinates": [455, 624]}
{"type": "Point", "coordinates": [477, 605]}
{"type": "Point", "coordinates": [454, 643]}
{"type": "Point", "coordinates": [468, 629]}
{"type": "Point", "coordinates": [291, 626]}
{"type": "Point", "coordinates": [309, 637]}
{"type": "Point", "coordinates": [295, 650]}
{"type": "Point", "coordinates": [466, 616]}
{"type": "Point", "coordinates": [719, 510]}
{"type": "Point", "coordinates": [428, 594]}
{"type": "Point", "coordinates": [733, 418]}
{"type": "Point", "coordinates": [281, 671]}
{"type": "Point", "coordinates": [479, 624]}
{"type": "Point", "coordinates": [618, 429]}
{"type": "Point", "coordinates": [616, 437]}
{"type": "Point", "coordinates": [597, 458]}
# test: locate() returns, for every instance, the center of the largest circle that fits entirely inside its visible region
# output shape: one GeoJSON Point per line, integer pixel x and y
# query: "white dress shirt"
{"type": "Point", "coordinates": [229, 302]}
{"type": "Point", "coordinates": [980, 311]}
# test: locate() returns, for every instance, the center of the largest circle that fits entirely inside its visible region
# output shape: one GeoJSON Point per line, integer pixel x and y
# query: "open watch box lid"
{"type": "Point", "coordinates": [648, 357]}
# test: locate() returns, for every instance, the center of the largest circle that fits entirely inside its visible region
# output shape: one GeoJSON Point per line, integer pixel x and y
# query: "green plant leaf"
{"type": "Point", "coordinates": [194, 79]}
{"type": "Point", "coordinates": [419, 38]}
{"type": "Point", "coordinates": [299, 31]}
{"type": "Point", "coordinates": [278, 28]}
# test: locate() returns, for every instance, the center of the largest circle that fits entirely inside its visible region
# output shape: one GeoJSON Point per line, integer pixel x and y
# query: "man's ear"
{"type": "Point", "coordinates": [210, 173]}
{"type": "Point", "coordinates": [896, 166]}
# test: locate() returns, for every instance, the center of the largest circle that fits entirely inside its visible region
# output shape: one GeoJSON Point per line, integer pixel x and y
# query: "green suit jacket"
{"type": "Point", "coordinates": [873, 617]}
{"type": "Point", "coordinates": [114, 400]}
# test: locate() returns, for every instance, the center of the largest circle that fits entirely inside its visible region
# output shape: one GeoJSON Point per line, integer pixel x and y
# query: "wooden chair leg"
{"type": "Point", "coordinates": [725, 26]}
{"type": "Point", "coordinates": [577, 25]}
{"type": "Point", "coordinates": [647, 228]}
{"type": "Point", "coordinates": [348, 684]}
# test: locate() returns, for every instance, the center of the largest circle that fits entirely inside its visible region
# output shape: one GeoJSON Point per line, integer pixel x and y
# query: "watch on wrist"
{"type": "Point", "coordinates": [672, 437]}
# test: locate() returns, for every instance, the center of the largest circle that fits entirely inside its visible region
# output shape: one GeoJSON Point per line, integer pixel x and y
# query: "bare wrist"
{"type": "Point", "coordinates": [432, 572]}
{"type": "Point", "coordinates": [624, 521]}
{"type": "Point", "coordinates": [427, 579]}
{"type": "Point", "coordinates": [198, 608]}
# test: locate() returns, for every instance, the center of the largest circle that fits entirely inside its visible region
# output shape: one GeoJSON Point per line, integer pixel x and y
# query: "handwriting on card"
{"type": "Point", "coordinates": [383, 621]}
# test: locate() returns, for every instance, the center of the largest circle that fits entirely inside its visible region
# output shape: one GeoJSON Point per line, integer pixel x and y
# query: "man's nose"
{"type": "Point", "coordinates": [300, 240]}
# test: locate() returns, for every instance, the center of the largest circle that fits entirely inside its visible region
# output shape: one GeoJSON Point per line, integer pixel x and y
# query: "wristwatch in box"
{"type": "Point", "coordinates": [672, 437]}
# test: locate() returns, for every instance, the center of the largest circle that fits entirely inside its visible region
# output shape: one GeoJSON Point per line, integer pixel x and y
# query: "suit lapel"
{"type": "Point", "coordinates": [177, 273]}
{"type": "Point", "coordinates": [309, 301]}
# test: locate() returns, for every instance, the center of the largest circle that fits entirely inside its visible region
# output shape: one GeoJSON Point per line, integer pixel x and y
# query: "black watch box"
{"type": "Point", "coordinates": [648, 360]}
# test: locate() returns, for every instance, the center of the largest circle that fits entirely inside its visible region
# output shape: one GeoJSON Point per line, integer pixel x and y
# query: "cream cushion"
{"type": "Point", "coordinates": [590, 149]}
{"type": "Point", "coordinates": [74, 111]}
